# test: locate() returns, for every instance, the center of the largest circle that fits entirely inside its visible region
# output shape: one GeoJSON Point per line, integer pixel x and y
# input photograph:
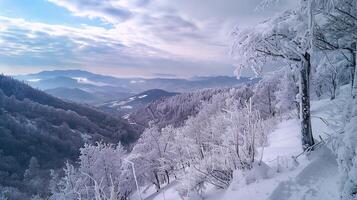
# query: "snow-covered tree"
{"type": "Point", "coordinates": [153, 155]}
{"type": "Point", "coordinates": [330, 71]}
{"type": "Point", "coordinates": [264, 98]}
{"type": "Point", "coordinates": [346, 151]}
{"type": "Point", "coordinates": [223, 137]}
{"type": "Point", "coordinates": [283, 38]}
{"type": "Point", "coordinates": [101, 175]}
{"type": "Point", "coordinates": [245, 132]}
{"type": "Point", "coordinates": [338, 33]}
{"type": "Point", "coordinates": [287, 38]}
{"type": "Point", "coordinates": [287, 91]}
{"type": "Point", "coordinates": [35, 178]}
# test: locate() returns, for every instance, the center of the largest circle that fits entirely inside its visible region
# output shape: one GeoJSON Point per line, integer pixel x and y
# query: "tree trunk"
{"type": "Point", "coordinates": [333, 93]}
{"type": "Point", "coordinates": [167, 176]}
{"type": "Point", "coordinates": [157, 181]}
{"type": "Point", "coordinates": [297, 103]}
{"type": "Point", "coordinates": [305, 115]}
{"type": "Point", "coordinates": [354, 71]}
{"type": "Point", "coordinates": [333, 89]}
{"type": "Point", "coordinates": [271, 111]}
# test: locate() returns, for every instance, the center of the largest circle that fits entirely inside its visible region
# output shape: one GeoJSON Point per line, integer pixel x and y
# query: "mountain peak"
{"type": "Point", "coordinates": [68, 73]}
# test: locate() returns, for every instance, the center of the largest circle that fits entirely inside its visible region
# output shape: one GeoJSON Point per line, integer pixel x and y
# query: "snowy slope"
{"type": "Point", "coordinates": [318, 180]}
{"type": "Point", "coordinates": [314, 177]}
{"type": "Point", "coordinates": [284, 142]}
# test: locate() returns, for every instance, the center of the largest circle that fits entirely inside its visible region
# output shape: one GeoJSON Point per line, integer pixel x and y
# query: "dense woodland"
{"type": "Point", "coordinates": [42, 132]}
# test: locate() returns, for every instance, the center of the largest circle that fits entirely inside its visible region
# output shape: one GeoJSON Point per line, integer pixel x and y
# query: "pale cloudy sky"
{"type": "Point", "coordinates": [124, 37]}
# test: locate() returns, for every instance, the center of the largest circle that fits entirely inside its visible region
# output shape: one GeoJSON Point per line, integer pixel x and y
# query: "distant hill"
{"type": "Point", "coordinates": [72, 94]}
{"type": "Point", "coordinates": [56, 73]}
{"type": "Point", "coordinates": [135, 102]}
{"type": "Point", "coordinates": [38, 126]}
{"type": "Point", "coordinates": [82, 96]}
{"type": "Point", "coordinates": [108, 88]}
{"type": "Point", "coordinates": [191, 85]}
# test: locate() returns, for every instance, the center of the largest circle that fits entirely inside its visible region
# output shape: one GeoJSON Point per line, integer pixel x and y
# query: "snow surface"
{"type": "Point", "coordinates": [317, 181]}
{"type": "Point", "coordinates": [283, 142]}
{"type": "Point", "coordinates": [142, 96]}
{"type": "Point", "coordinates": [127, 107]}
{"type": "Point", "coordinates": [121, 103]}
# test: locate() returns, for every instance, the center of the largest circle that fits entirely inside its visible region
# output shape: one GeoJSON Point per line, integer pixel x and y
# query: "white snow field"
{"type": "Point", "coordinates": [308, 177]}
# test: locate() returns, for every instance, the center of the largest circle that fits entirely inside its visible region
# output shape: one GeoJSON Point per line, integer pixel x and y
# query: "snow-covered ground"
{"type": "Point", "coordinates": [313, 177]}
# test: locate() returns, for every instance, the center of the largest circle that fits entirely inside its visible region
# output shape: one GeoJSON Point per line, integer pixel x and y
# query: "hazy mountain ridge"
{"type": "Point", "coordinates": [108, 88]}
{"type": "Point", "coordinates": [73, 94]}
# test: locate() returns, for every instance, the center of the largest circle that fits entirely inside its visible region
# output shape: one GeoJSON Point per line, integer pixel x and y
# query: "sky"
{"type": "Point", "coordinates": [125, 38]}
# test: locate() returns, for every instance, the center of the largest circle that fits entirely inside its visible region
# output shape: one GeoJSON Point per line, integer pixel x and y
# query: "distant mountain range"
{"type": "Point", "coordinates": [65, 84]}
{"type": "Point", "coordinates": [86, 87]}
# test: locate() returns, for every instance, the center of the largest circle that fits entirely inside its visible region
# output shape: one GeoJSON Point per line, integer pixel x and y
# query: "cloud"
{"type": "Point", "coordinates": [145, 37]}
{"type": "Point", "coordinates": [97, 49]}
{"type": "Point", "coordinates": [187, 29]}
{"type": "Point", "coordinates": [154, 24]}
{"type": "Point", "coordinates": [104, 9]}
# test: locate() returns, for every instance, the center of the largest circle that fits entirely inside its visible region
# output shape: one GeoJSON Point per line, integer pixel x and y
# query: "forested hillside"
{"type": "Point", "coordinates": [41, 131]}
{"type": "Point", "coordinates": [175, 110]}
{"type": "Point", "coordinates": [124, 107]}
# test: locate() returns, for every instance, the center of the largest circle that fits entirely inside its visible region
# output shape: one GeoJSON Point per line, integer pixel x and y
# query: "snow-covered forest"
{"type": "Point", "coordinates": [290, 135]}
{"type": "Point", "coordinates": [224, 143]}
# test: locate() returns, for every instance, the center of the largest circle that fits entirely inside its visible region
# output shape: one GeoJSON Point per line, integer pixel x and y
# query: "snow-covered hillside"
{"type": "Point", "coordinates": [288, 174]}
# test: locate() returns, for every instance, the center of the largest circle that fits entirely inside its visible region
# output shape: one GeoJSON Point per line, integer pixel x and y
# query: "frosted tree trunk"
{"type": "Point", "coordinates": [354, 71]}
{"type": "Point", "coordinates": [167, 176]}
{"type": "Point", "coordinates": [305, 115]}
{"type": "Point", "coordinates": [157, 181]}
{"type": "Point", "coordinates": [333, 92]}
